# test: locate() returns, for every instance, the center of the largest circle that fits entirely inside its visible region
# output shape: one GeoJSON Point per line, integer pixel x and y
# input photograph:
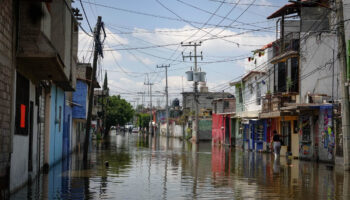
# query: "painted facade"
{"type": "Point", "coordinates": [295, 92]}
{"type": "Point", "coordinates": [223, 109]}
{"type": "Point", "coordinates": [45, 70]}
{"type": "Point", "coordinates": [56, 124]}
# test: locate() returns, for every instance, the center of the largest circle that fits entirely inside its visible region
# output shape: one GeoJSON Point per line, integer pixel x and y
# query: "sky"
{"type": "Point", "coordinates": [141, 34]}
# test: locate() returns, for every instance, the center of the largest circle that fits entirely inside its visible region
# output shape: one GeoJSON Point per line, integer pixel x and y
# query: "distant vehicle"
{"type": "Point", "coordinates": [127, 126]}
{"type": "Point", "coordinates": [135, 130]}
{"type": "Point", "coordinates": [113, 128]}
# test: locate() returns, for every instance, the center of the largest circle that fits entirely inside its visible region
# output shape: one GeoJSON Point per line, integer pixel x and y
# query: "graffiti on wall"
{"type": "Point", "coordinates": [305, 132]}
{"type": "Point", "coordinates": [327, 134]}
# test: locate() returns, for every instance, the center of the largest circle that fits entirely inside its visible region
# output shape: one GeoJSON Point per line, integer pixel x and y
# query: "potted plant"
{"type": "Point", "coordinates": [268, 94]}
{"type": "Point", "coordinates": [289, 84]}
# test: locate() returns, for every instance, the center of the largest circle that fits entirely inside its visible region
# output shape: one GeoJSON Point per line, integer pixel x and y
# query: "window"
{"type": "Point", "coordinates": [226, 104]}
{"type": "Point", "coordinates": [240, 95]}
{"type": "Point", "coordinates": [282, 73]}
{"type": "Point", "coordinates": [258, 94]}
{"type": "Point", "coordinates": [295, 74]}
{"type": "Point", "coordinates": [22, 105]}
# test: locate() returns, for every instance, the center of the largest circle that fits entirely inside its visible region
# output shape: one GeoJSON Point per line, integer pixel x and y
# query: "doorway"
{"type": "Point", "coordinates": [227, 131]}
{"type": "Point", "coordinates": [30, 152]}
{"type": "Point", "coordinates": [286, 135]}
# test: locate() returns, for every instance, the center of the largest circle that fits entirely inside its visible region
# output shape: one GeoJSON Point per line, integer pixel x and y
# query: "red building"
{"type": "Point", "coordinates": [223, 109]}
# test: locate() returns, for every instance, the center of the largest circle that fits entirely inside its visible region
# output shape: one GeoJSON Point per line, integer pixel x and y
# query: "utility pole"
{"type": "Point", "coordinates": [150, 97]}
{"type": "Point", "coordinates": [97, 51]}
{"type": "Point", "coordinates": [345, 113]}
{"type": "Point", "coordinates": [142, 98]}
{"type": "Point", "coordinates": [166, 97]}
{"type": "Point", "coordinates": [195, 45]}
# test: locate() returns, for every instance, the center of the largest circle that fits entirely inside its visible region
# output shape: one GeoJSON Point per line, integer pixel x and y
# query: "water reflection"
{"type": "Point", "coordinates": [145, 167]}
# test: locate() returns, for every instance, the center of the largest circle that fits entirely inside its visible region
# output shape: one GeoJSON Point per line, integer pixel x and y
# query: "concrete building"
{"type": "Point", "coordinates": [304, 91]}
{"type": "Point", "coordinates": [205, 110]}
{"type": "Point", "coordinates": [80, 101]}
{"type": "Point", "coordinates": [205, 99]}
{"type": "Point", "coordinates": [7, 69]}
{"type": "Point", "coordinates": [223, 110]}
{"type": "Point", "coordinates": [249, 91]}
{"type": "Point", "coordinates": [46, 57]}
{"type": "Point", "coordinates": [97, 109]}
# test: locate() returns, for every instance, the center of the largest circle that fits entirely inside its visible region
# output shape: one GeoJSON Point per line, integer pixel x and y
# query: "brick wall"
{"type": "Point", "coordinates": [6, 24]}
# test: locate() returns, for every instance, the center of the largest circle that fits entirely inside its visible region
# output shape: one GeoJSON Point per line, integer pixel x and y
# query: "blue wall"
{"type": "Point", "coordinates": [67, 129]}
{"type": "Point", "coordinates": [80, 97]}
{"type": "Point", "coordinates": [56, 124]}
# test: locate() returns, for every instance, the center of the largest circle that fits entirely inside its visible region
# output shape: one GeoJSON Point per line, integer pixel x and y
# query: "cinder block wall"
{"type": "Point", "coordinates": [6, 80]}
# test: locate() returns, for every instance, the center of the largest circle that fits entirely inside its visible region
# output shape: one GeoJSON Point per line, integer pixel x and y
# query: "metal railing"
{"type": "Point", "coordinates": [289, 43]}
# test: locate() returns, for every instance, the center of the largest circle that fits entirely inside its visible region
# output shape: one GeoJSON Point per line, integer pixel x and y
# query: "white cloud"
{"type": "Point", "coordinates": [144, 60]}
{"type": "Point", "coordinates": [112, 40]}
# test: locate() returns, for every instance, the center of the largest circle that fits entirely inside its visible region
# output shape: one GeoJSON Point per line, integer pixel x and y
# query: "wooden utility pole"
{"type": "Point", "coordinates": [91, 92]}
{"type": "Point", "coordinates": [150, 96]}
{"type": "Point", "coordinates": [195, 83]}
{"type": "Point", "coordinates": [345, 113]}
{"type": "Point", "coordinates": [166, 93]}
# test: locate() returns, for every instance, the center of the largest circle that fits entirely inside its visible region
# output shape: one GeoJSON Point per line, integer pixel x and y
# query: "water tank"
{"type": "Point", "coordinates": [203, 87]}
{"type": "Point", "coordinates": [189, 75]}
{"type": "Point", "coordinates": [199, 76]}
{"type": "Point", "coordinates": [176, 103]}
{"type": "Point", "coordinates": [202, 76]}
{"type": "Point", "coordinates": [196, 76]}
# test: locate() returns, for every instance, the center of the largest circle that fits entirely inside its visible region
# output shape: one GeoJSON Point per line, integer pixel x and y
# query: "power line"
{"type": "Point", "coordinates": [235, 3]}
{"type": "Point", "coordinates": [223, 17]}
{"type": "Point", "coordinates": [146, 14]}
{"type": "Point", "coordinates": [82, 6]}
{"type": "Point", "coordinates": [76, 21]}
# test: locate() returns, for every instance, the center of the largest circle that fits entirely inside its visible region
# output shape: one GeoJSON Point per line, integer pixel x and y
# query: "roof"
{"type": "Point", "coordinates": [84, 71]}
{"type": "Point", "coordinates": [287, 9]}
{"type": "Point", "coordinates": [245, 77]}
{"type": "Point", "coordinates": [228, 99]}
{"type": "Point", "coordinates": [294, 7]}
{"type": "Point", "coordinates": [267, 46]}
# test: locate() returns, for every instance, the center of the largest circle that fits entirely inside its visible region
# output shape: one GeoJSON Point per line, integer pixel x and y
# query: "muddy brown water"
{"type": "Point", "coordinates": [144, 167]}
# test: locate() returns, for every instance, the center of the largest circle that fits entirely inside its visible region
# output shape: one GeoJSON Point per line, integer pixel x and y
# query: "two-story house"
{"type": "Point", "coordinates": [223, 109]}
{"type": "Point", "coordinates": [80, 102]}
{"type": "Point", "coordinates": [205, 109]}
{"type": "Point", "coordinates": [248, 129]}
{"type": "Point", "coordinates": [304, 81]}
{"type": "Point", "coordinates": [46, 57]}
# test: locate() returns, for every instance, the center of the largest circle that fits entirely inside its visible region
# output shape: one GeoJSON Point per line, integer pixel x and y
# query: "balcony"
{"type": "Point", "coordinates": [274, 103]}
{"type": "Point", "coordinates": [285, 47]}
{"type": "Point", "coordinates": [39, 57]}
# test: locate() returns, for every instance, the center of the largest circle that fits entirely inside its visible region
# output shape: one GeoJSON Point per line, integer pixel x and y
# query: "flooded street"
{"type": "Point", "coordinates": [142, 167]}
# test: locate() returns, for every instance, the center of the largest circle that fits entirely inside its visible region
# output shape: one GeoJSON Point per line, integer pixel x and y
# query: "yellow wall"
{"type": "Point", "coordinates": [294, 137]}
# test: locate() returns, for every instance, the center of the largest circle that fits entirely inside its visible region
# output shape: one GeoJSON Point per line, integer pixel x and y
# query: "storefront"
{"type": "Point", "coordinates": [317, 135]}
{"type": "Point", "coordinates": [257, 135]}
{"type": "Point", "coordinates": [286, 127]}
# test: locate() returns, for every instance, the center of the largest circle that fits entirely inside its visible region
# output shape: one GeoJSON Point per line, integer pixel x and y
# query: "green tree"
{"type": "Point", "coordinates": [119, 111]}
{"type": "Point", "coordinates": [143, 120]}
{"type": "Point", "coordinates": [105, 85]}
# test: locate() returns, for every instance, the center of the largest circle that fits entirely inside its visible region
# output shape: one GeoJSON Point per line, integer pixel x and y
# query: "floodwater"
{"type": "Point", "coordinates": [144, 167]}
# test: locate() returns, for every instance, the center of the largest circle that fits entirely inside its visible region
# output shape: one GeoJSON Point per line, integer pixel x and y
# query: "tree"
{"type": "Point", "coordinates": [105, 84]}
{"type": "Point", "coordinates": [143, 120]}
{"type": "Point", "coordinates": [119, 111]}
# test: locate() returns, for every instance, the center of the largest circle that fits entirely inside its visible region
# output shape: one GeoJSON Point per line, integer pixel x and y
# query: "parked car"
{"type": "Point", "coordinates": [135, 130]}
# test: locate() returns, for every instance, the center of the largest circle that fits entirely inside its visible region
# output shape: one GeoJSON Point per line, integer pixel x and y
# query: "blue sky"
{"type": "Point", "coordinates": [129, 26]}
